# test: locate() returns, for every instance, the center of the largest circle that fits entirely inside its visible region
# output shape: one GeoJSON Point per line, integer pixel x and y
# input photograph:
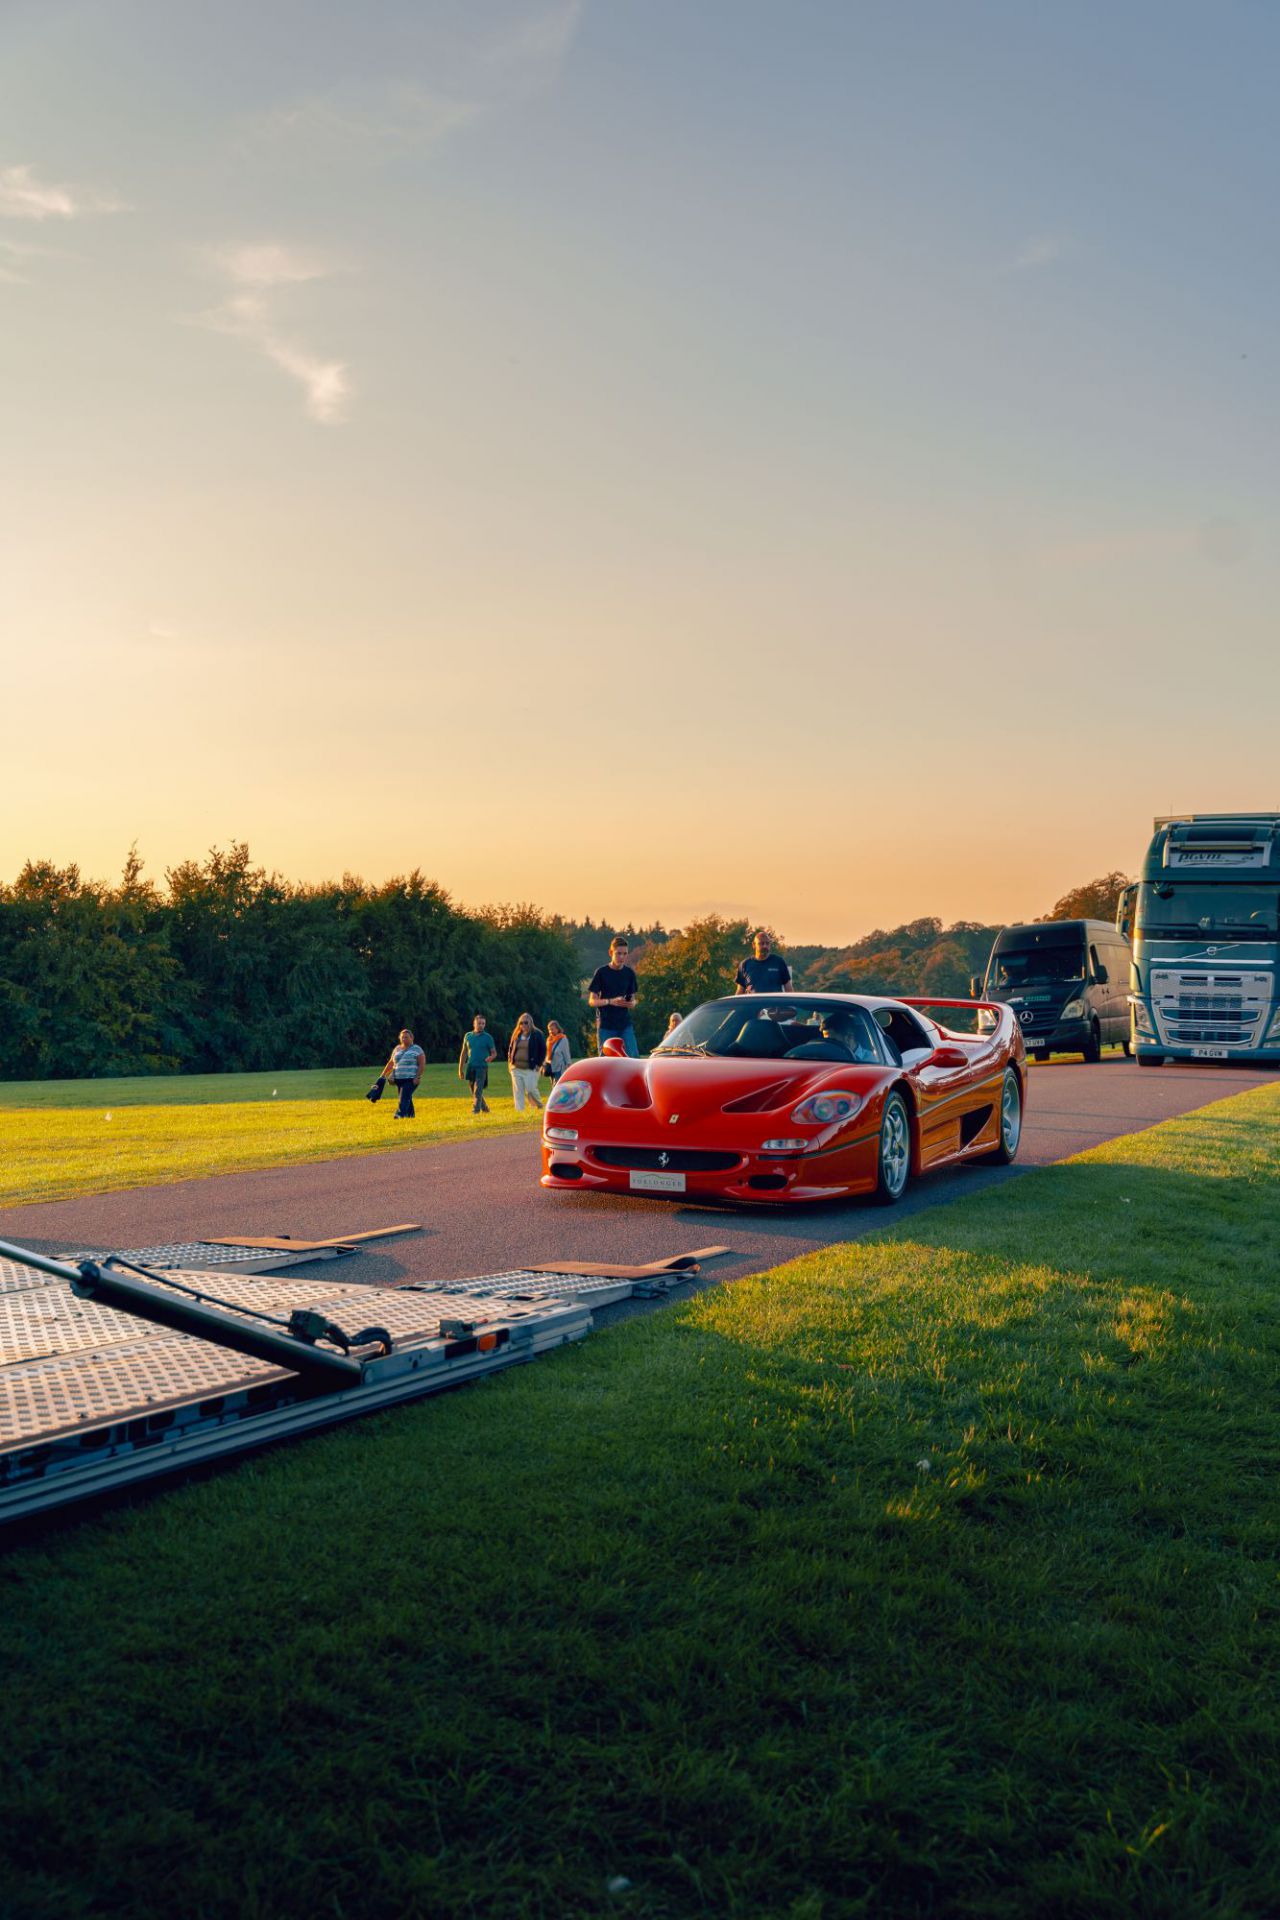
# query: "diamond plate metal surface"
{"type": "Point", "coordinates": [15, 1278]}
{"type": "Point", "coordinates": [41, 1398]}
{"type": "Point", "coordinates": [203, 1254]}
{"type": "Point", "coordinates": [68, 1364]}
{"type": "Point", "coordinates": [37, 1322]}
{"type": "Point", "coordinates": [520, 1284]}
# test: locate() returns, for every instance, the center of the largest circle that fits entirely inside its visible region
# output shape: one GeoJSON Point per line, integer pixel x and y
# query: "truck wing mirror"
{"type": "Point", "coordinates": [975, 987]}
{"type": "Point", "coordinates": [1124, 911]}
{"type": "Point", "coordinates": [1100, 974]}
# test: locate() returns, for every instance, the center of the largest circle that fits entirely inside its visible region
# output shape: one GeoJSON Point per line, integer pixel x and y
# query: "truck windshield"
{"type": "Point", "coordinates": [1182, 911]}
{"type": "Point", "coordinates": [1027, 966]}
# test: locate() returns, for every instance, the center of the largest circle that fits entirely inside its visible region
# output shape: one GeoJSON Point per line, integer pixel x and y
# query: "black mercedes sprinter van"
{"type": "Point", "coordinates": [1068, 982]}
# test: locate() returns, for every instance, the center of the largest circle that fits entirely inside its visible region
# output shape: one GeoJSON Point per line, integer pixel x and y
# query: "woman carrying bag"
{"type": "Point", "coordinates": [404, 1070]}
{"type": "Point", "coordinates": [559, 1052]}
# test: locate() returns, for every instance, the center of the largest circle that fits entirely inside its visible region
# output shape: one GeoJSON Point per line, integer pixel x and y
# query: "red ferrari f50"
{"type": "Point", "coordinates": [791, 1097]}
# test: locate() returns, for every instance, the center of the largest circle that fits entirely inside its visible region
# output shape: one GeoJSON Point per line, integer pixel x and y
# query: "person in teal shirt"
{"type": "Point", "coordinates": [478, 1049]}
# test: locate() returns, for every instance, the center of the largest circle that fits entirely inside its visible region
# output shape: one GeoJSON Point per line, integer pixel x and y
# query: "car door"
{"type": "Point", "coordinates": [957, 1098]}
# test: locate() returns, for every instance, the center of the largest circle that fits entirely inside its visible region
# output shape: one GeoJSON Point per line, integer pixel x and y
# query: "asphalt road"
{"type": "Point", "coordinates": [482, 1210]}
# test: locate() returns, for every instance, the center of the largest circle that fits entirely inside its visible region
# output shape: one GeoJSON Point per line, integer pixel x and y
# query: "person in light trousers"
{"type": "Point", "coordinates": [525, 1054]}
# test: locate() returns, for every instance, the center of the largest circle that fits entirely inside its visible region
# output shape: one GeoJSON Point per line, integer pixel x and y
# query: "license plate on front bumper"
{"type": "Point", "coordinates": [1209, 1053]}
{"type": "Point", "coordinates": [1031, 1044]}
{"type": "Point", "coordinates": [657, 1183]}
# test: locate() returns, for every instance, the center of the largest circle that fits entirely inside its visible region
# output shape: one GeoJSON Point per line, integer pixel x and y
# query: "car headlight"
{"type": "Point", "coordinates": [783, 1146]}
{"type": "Point", "coordinates": [568, 1095]}
{"type": "Point", "coordinates": [1074, 1010]}
{"type": "Point", "coordinates": [562, 1135]}
{"type": "Point", "coordinates": [820, 1109]}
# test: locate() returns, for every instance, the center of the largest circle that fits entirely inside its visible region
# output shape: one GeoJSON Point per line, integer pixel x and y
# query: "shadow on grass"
{"type": "Point", "coordinates": [928, 1575]}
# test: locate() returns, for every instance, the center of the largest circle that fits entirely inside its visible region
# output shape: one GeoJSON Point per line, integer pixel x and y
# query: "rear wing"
{"type": "Point", "coordinates": [1000, 1030]}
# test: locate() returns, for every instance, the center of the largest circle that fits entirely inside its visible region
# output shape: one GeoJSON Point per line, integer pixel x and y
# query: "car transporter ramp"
{"type": "Point", "coordinates": [111, 1374]}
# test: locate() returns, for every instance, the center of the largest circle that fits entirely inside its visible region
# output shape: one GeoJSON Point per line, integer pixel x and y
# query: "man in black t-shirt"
{"type": "Point", "coordinates": [613, 995]}
{"type": "Point", "coordinates": [768, 972]}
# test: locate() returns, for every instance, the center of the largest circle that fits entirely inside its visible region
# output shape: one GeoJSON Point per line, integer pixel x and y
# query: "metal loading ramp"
{"type": "Point", "coordinates": [94, 1397]}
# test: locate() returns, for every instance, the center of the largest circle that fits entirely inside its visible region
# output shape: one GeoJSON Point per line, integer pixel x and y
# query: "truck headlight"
{"type": "Point", "coordinates": [1142, 1020]}
{"type": "Point", "coordinates": [1074, 1010]}
{"type": "Point", "coordinates": [1273, 1031]}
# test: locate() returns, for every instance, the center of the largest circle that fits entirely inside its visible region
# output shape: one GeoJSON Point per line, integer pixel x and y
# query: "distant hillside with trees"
{"type": "Point", "coordinates": [698, 962]}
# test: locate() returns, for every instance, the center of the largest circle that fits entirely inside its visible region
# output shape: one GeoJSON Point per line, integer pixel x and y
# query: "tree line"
{"type": "Point", "coordinates": [229, 968]}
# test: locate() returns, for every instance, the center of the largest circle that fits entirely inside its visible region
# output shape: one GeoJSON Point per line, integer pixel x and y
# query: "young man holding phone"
{"type": "Point", "coordinates": [613, 995]}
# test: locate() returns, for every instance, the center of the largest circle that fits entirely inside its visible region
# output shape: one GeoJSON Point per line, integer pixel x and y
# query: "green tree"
{"type": "Point", "coordinates": [695, 965]}
{"type": "Point", "coordinates": [87, 982]}
{"type": "Point", "coordinates": [224, 923]}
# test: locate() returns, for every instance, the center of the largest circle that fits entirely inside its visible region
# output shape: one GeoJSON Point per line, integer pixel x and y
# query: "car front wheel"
{"type": "Point", "coordinates": [893, 1164]}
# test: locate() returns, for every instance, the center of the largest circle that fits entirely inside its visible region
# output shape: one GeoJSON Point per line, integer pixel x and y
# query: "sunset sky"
{"type": "Point", "coordinates": [804, 458]}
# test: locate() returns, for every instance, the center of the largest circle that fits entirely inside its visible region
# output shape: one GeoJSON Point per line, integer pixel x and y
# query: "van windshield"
{"type": "Point", "coordinates": [1031, 966]}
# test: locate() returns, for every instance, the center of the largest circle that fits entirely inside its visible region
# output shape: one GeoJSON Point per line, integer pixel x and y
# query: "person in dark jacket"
{"type": "Point", "coordinates": [525, 1054]}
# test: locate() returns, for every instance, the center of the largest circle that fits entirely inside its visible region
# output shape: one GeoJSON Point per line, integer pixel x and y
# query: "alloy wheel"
{"type": "Point", "coordinates": [895, 1147]}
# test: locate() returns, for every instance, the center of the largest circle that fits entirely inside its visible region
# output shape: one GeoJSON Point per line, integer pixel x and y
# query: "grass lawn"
{"type": "Point", "coordinates": [934, 1574]}
{"type": "Point", "coordinates": [63, 1137]}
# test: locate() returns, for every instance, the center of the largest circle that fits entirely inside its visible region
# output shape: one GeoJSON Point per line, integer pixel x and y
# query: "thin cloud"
{"type": "Point", "coordinates": [271, 265]}
{"type": "Point", "coordinates": [1041, 250]}
{"type": "Point", "coordinates": [248, 314]}
{"type": "Point", "coordinates": [473, 76]}
{"type": "Point", "coordinates": [24, 197]}
{"type": "Point", "coordinates": [539, 43]}
{"type": "Point", "coordinates": [391, 115]}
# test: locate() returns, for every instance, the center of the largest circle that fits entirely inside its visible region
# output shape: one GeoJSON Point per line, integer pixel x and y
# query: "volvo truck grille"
{"type": "Point", "coordinates": [1210, 1009]}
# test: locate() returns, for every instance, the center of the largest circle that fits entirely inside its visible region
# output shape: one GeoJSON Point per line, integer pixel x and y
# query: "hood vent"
{"type": "Point", "coordinates": [776, 1094]}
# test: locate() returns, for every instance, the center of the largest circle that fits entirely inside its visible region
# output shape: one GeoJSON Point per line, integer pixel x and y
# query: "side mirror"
{"type": "Point", "coordinates": [1101, 975]}
{"type": "Point", "coordinates": [948, 1057]}
{"type": "Point", "coordinates": [975, 987]}
{"type": "Point", "coordinates": [1124, 910]}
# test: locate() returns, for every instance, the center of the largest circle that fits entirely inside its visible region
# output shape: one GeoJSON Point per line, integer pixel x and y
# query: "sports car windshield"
{"type": "Point", "coordinates": [756, 1027]}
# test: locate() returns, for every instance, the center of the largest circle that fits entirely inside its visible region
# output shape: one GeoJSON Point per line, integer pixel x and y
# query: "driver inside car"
{"type": "Point", "coordinates": [839, 1040]}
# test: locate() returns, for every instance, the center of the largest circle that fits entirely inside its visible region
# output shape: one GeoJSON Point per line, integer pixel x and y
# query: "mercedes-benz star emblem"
{"type": "Point", "coordinates": [1026, 1016]}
